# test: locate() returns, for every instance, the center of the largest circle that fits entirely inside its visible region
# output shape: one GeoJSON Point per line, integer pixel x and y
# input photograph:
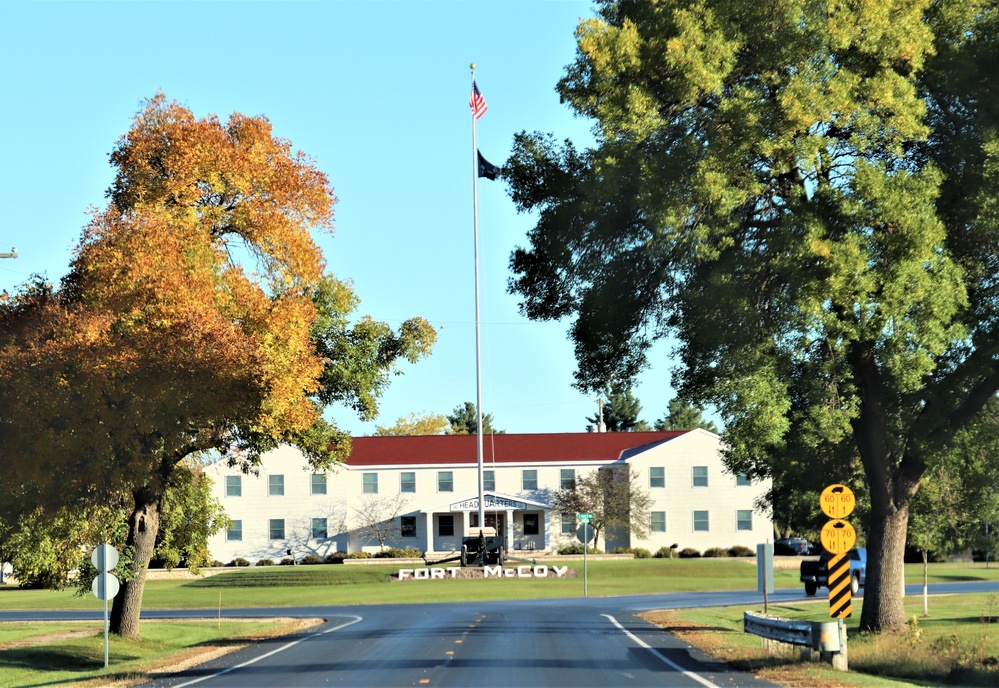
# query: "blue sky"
{"type": "Point", "coordinates": [377, 93]}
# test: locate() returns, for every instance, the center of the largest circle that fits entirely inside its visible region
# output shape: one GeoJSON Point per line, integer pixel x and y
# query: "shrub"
{"type": "Point", "coordinates": [577, 548]}
{"type": "Point", "coordinates": [359, 555]}
{"type": "Point", "coordinates": [217, 564]}
{"type": "Point", "coordinates": [397, 553]}
{"type": "Point", "coordinates": [637, 552]}
{"type": "Point", "coordinates": [311, 559]}
{"type": "Point", "coordinates": [741, 551]}
{"type": "Point", "coordinates": [265, 562]}
{"type": "Point", "coordinates": [336, 557]}
{"type": "Point", "coordinates": [689, 553]}
{"type": "Point", "coordinates": [715, 552]}
{"type": "Point", "coordinates": [238, 561]}
{"type": "Point", "coordinates": [287, 561]}
{"type": "Point", "coordinates": [664, 553]}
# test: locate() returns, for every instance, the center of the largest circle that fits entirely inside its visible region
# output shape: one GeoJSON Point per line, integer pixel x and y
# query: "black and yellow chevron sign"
{"type": "Point", "coordinates": [840, 593]}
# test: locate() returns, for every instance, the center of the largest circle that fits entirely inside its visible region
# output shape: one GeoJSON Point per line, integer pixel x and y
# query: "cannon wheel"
{"type": "Point", "coordinates": [501, 554]}
{"type": "Point", "coordinates": [464, 555]}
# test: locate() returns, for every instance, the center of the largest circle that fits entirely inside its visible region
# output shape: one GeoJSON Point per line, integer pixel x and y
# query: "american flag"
{"type": "Point", "coordinates": [477, 102]}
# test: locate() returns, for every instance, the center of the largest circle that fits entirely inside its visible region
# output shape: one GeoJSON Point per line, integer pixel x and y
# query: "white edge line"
{"type": "Point", "coordinates": [272, 652]}
{"type": "Point", "coordinates": [658, 655]}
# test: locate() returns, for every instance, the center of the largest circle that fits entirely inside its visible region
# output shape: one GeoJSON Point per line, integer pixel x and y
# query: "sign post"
{"type": "Point", "coordinates": [765, 572]}
{"type": "Point", "coordinates": [585, 535]}
{"type": "Point", "coordinates": [105, 586]}
{"type": "Point", "coordinates": [838, 538]}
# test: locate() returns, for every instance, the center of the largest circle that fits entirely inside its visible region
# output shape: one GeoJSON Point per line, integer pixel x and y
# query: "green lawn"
{"type": "Point", "coordinates": [73, 653]}
{"type": "Point", "coordinates": [956, 644]}
{"type": "Point", "coordinates": [338, 584]}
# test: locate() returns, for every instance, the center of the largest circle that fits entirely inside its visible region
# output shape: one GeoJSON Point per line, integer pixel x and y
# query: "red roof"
{"type": "Point", "coordinates": [545, 447]}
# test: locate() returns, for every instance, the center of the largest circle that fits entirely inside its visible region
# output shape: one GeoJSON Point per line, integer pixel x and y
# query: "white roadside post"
{"type": "Point", "coordinates": [585, 535]}
{"type": "Point", "coordinates": [105, 586]}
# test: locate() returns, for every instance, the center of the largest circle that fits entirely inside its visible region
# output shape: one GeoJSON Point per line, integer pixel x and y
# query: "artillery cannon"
{"type": "Point", "coordinates": [484, 549]}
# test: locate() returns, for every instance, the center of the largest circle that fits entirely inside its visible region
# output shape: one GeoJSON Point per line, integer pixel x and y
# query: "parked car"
{"type": "Point", "coordinates": [793, 546]}
{"type": "Point", "coordinates": [815, 573]}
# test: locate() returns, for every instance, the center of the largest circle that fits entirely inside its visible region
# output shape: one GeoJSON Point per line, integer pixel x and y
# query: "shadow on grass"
{"type": "Point", "coordinates": [45, 657]}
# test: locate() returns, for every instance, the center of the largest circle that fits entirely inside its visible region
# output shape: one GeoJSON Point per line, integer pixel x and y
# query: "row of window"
{"type": "Point", "coordinates": [407, 527]}
{"type": "Point", "coordinates": [700, 523]}
{"type": "Point", "coordinates": [445, 481]}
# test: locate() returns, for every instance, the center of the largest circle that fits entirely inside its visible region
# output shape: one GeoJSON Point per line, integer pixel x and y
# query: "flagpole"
{"type": "Point", "coordinates": [478, 334]}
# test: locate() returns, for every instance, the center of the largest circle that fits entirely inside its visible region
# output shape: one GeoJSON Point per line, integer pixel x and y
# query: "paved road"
{"type": "Point", "coordinates": [567, 642]}
{"type": "Point", "coordinates": [538, 643]}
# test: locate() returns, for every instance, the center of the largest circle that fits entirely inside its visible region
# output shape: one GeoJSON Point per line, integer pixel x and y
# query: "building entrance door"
{"type": "Point", "coordinates": [493, 520]}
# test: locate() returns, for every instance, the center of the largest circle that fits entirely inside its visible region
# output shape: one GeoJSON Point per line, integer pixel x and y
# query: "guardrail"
{"type": "Point", "coordinates": [828, 638]}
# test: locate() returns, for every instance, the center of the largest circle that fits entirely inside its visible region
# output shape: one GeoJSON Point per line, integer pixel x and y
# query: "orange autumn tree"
{"type": "Point", "coordinates": [196, 317]}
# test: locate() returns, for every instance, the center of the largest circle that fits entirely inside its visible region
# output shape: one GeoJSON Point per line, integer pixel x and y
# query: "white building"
{"type": "Point", "coordinates": [422, 492]}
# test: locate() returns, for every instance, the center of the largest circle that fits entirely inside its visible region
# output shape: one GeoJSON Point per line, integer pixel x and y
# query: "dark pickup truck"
{"type": "Point", "coordinates": [814, 574]}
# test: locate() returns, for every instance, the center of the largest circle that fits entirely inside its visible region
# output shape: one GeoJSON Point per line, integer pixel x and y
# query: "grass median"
{"type": "Point", "coordinates": [956, 644]}
{"type": "Point", "coordinates": [28, 656]}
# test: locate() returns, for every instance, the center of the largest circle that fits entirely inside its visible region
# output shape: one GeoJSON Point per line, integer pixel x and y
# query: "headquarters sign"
{"type": "Point", "coordinates": [491, 502]}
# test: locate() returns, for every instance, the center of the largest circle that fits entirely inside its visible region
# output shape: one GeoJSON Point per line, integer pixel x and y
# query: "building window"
{"type": "Point", "coordinates": [567, 478]}
{"type": "Point", "coordinates": [370, 483]}
{"type": "Point", "coordinates": [531, 524]}
{"type": "Point", "coordinates": [568, 524]}
{"type": "Point", "coordinates": [234, 486]}
{"type": "Point", "coordinates": [319, 531]}
{"type": "Point", "coordinates": [700, 475]}
{"type": "Point", "coordinates": [318, 483]}
{"type": "Point", "coordinates": [275, 485]}
{"type": "Point", "coordinates": [744, 519]}
{"type": "Point", "coordinates": [277, 529]}
{"type": "Point", "coordinates": [235, 532]}
{"type": "Point", "coordinates": [530, 479]}
{"type": "Point", "coordinates": [658, 522]}
{"type": "Point", "coordinates": [407, 481]}
{"type": "Point", "coordinates": [445, 525]}
{"type": "Point", "coordinates": [445, 481]}
{"type": "Point", "coordinates": [407, 526]}
{"type": "Point", "coordinates": [489, 480]}
{"type": "Point", "coordinates": [743, 481]}
{"type": "Point", "coordinates": [700, 521]}
{"type": "Point", "coordinates": [657, 476]}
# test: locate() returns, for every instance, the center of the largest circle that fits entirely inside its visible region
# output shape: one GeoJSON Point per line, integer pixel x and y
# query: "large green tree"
{"type": "Point", "coordinates": [804, 195]}
{"type": "Point", "coordinates": [621, 410]}
{"type": "Point", "coordinates": [464, 421]}
{"type": "Point", "coordinates": [196, 317]}
{"type": "Point", "coordinates": [682, 415]}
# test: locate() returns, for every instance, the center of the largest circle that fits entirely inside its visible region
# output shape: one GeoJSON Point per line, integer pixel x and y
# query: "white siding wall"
{"type": "Point", "coordinates": [679, 499]}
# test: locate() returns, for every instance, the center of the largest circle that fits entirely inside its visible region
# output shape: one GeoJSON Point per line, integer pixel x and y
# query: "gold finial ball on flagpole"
{"type": "Point", "coordinates": [472, 65]}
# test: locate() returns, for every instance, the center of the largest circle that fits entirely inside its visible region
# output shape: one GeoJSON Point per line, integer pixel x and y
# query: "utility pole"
{"type": "Point", "coordinates": [12, 254]}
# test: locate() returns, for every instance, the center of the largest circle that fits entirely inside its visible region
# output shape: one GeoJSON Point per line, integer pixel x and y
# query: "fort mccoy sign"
{"type": "Point", "coordinates": [441, 573]}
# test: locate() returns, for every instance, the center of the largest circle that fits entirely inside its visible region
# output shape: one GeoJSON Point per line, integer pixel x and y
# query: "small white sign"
{"type": "Point", "coordinates": [104, 558]}
{"type": "Point", "coordinates": [105, 586]}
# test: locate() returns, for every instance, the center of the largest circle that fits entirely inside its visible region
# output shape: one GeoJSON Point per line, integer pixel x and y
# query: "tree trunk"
{"type": "Point", "coordinates": [143, 525]}
{"type": "Point", "coordinates": [884, 590]}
